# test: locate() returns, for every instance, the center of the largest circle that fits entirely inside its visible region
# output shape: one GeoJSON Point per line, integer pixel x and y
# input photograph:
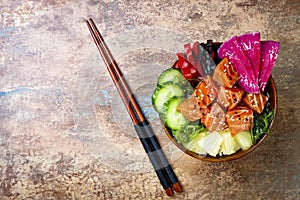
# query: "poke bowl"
{"type": "Point", "coordinates": [218, 101]}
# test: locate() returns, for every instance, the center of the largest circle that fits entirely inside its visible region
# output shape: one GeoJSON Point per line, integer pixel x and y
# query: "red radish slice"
{"type": "Point", "coordinates": [191, 60]}
{"type": "Point", "coordinates": [196, 58]}
{"type": "Point", "coordinates": [235, 53]}
{"type": "Point", "coordinates": [251, 45]}
{"type": "Point", "coordinates": [189, 54]}
{"type": "Point", "coordinates": [184, 66]}
{"type": "Point", "coordinates": [194, 72]}
{"type": "Point", "coordinates": [176, 66]}
{"type": "Point", "coordinates": [186, 71]}
{"type": "Point", "coordinates": [269, 53]}
{"type": "Point", "coordinates": [180, 58]}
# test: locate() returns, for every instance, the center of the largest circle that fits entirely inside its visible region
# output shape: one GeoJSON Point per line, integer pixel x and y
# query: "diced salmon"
{"type": "Point", "coordinates": [229, 98]}
{"type": "Point", "coordinates": [256, 102]}
{"type": "Point", "coordinates": [206, 91]}
{"type": "Point", "coordinates": [192, 109]}
{"type": "Point", "coordinates": [225, 74]}
{"type": "Point", "coordinates": [215, 119]}
{"type": "Point", "coordinates": [239, 119]}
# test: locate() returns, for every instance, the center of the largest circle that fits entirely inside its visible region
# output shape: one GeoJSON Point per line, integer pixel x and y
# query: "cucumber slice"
{"type": "Point", "coordinates": [171, 75]}
{"type": "Point", "coordinates": [173, 119]}
{"type": "Point", "coordinates": [165, 92]}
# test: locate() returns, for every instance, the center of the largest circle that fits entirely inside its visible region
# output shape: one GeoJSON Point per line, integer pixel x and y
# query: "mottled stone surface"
{"type": "Point", "coordinates": [64, 133]}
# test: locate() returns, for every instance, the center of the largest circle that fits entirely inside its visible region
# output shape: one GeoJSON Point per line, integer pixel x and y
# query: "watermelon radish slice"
{"type": "Point", "coordinates": [269, 53]}
{"type": "Point", "coordinates": [234, 51]}
{"type": "Point", "coordinates": [251, 45]}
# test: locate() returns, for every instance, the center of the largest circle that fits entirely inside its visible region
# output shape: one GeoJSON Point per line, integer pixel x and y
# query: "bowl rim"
{"type": "Point", "coordinates": [240, 153]}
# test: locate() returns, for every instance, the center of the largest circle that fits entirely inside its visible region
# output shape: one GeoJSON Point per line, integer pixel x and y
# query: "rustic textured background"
{"type": "Point", "coordinates": [64, 133]}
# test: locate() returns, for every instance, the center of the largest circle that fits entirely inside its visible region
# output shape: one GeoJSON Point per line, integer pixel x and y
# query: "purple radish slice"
{"type": "Point", "coordinates": [233, 50]}
{"type": "Point", "coordinates": [269, 53]}
{"type": "Point", "coordinates": [251, 45]}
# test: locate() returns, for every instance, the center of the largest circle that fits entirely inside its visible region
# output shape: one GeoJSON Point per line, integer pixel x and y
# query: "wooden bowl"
{"type": "Point", "coordinates": [271, 89]}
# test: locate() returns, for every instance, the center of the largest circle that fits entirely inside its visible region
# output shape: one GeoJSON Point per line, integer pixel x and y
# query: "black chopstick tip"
{"type": "Point", "coordinates": [169, 191]}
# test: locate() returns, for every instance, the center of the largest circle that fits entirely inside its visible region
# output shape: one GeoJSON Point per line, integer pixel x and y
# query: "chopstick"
{"type": "Point", "coordinates": [149, 141]}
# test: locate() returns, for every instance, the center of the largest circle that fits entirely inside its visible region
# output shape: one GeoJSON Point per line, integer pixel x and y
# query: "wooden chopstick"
{"type": "Point", "coordinates": [141, 133]}
{"type": "Point", "coordinates": [150, 143]}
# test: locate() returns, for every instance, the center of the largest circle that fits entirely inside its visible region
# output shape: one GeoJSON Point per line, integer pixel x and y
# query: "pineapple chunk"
{"type": "Point", "coordinates": [229, 145]}
{"type": "Point", "coordinates": [194, 144]}
{"type": "Point", "coordinates": [211, 143]}
{"type": "Point", "coordinates": [244, 139]}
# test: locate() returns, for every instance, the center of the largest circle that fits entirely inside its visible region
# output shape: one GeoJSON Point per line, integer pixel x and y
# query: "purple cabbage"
{"type": "Point", "coordinates": [269, 53]}
{"type": "Point", "coordinates": [251, 45]}
{"type": "Point", "coordinates": [234, 51]}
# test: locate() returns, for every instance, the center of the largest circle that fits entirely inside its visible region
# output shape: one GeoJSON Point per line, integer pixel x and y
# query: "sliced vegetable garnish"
{"type": "Point", "coordinates": [189, 54]}
{"type": "Point", "coordinates": [189, 132]}
{"type": "Point", "coordinates": [233, 50]}
{"type": "Point", "coordinates": [165, 92]}
{"type": "Point", "coordinates": [269, 53]}
{"type": "Point", "coordinates": [173, 118]}
{"type": "Point", "coordinates": [171, 75]}
{"type": "Point", "coordinates": [206, 62]}
{"type": "Point", "coordinates": [196, 58]}
{"type": "Point", "coordinates": [251, 45]}
{"type": "Point", "coordinates": [184, 66]}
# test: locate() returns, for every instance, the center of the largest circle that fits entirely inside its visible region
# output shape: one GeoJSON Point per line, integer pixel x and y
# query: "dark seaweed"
{"type": "Point", "coordinates": [261, 124]}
